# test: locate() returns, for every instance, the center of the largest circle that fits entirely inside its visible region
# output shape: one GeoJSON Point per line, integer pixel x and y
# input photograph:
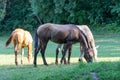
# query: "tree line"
{"type": "Point", "coordinates": [29, 14]}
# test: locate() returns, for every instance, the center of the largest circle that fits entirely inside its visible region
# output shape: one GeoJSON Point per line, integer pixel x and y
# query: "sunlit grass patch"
{"type": "Point", "coordinates": [108, 59]}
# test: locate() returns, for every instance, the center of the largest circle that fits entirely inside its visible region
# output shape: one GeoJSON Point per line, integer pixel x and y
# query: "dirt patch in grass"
{"type": "Point", "coordinates": [94, 76]}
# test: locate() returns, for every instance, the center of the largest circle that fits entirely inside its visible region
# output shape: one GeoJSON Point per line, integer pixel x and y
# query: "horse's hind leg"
{"type": "Point", "coordinates": [81, 54]}
{"type": "Point", "coordinates": [29, 53]}
{"type": "Point", "coordinates": [57, 51]}
{"type": "Point", "coordinates": [63, 53]}
{"type": "Point", "coordinates": [16, 53]}
{"type": "Point", "coordinates": [69, 53]}
{"type": "Point", "coordinates": [16, 49]}
{"type": "Point", "coordinates": [22, 55]}
{"type": "Point", "coordinates": [66, 46]}
{"type": "Point", "coordinates": [43, 47]}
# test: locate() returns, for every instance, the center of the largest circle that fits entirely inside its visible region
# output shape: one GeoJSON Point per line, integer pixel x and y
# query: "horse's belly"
{"type": "Point", "coordinates": [58, 41]}
{"type": "Point", "coordinates": [24, 45]}
{"type": "Point", "coordinates": [58, 38]}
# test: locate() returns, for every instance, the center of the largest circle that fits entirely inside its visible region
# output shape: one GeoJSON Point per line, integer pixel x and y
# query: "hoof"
{"type": "Point", "coordinates": [56, 62]}
{"type": "Point", "coordinates": [16, 63]}
{"type": "Point", "coordinates": [46, 64]}
{"type": "Point", "coordinates": [35, 65]}
{"type": "Point", "coordinates": [61, 61]}
{"type": "Point", "coordinates": [21, 62]}
{"type": "Point", "coordinates": [80, 60]}
{"type": "Point", "coordinates": [65, 62]}
{"type": "Point", "coordinates": [68, 62]}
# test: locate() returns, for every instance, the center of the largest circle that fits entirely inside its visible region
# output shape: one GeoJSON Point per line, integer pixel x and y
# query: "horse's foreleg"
{"type": "Point", "coordinates": [43, 47]}
{"type": "Point", "coordinates": [16, 49]}
{"type": "Point", "coordinates": [81, 54]}
{"type": "Point", "coordinates": [43, 56]}
{"type": "Point", "coordinates": [65, 47]}
{"type": "Point", "coordinates": [57, 51]}
{"type": "Point", "coordinates": [62, 55]}
{"type": "Point", "coordinates": [22, 55]}
{"type": "Point", "coordinates": [69, 53]}
{"type": "Point", "coordinates": [16, 53]}
{"type": "Point", "coordinates": [95, 57]}
{"type": "Point", "coordinates": [29, 53]}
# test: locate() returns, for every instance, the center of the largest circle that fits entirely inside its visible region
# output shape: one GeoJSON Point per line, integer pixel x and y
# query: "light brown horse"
{"type": "Point", "coordinates": [91, 41]}
{"type": "Point", "coordinates": [60, 34]}
{"type": "Point", "coordinates": [21, 38]}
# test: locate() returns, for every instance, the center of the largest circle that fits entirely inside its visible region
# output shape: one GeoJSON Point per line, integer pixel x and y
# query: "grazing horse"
{"type": "Point", "coordinates": [91, 42]}
{"type": "Point", "coordinates": [21, 38]}
{"type": "Point", "coordinates": [60, 34]}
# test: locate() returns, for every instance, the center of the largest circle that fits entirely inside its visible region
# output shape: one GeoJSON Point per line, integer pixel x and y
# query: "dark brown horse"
{"type": "Point", "coordinates": [21, 38]}
{"type": "Point", "coordinates": [61, 34]}
{"type": "Point", "coordinates": [90, 37]}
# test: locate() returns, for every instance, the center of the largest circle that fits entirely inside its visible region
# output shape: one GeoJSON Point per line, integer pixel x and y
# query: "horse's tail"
{"type": "Point", "coordinates": [36, 40]}
{"type": "Point", "coordinates": [8, 41]}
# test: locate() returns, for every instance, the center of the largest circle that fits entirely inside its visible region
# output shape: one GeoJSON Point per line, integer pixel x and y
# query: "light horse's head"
{"type": "Point", "coordinates": [91, 50]}
{"type": "Point", "coordinates": [91, 54]}
{"type": "Point", "coordinates": [87, 49]}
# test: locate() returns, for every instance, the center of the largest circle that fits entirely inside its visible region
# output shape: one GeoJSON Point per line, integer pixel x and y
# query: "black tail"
{"type": "Point", "coordinates": [36, 40]}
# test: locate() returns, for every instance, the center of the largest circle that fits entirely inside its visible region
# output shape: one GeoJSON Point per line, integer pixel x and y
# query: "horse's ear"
{"type": "Point", "coordinates": [97, 46]}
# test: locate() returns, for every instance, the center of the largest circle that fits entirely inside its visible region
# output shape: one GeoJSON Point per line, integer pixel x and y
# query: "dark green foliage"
{"type": "Point", "coordinates": [29, 14]}
{"type": "Point", "coordinates": [78, 12]}
{"type": "Point", "coordinates": [2, 8]}
{"type": "Point", "coordinates": [63, 11]}
{"type": "Point", "coordinates": [19, 14]}
{"type": "Point", "coordinates": [102, 12]}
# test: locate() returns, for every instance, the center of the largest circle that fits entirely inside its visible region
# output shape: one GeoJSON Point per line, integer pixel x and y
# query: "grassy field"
{"type": "Point", "coordinates": [107, 67]}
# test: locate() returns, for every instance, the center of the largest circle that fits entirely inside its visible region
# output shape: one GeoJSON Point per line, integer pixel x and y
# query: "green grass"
{"type": "Point", "coordinates": [107, 67]}
{"type": "Point", "coordinates": [77, 71]}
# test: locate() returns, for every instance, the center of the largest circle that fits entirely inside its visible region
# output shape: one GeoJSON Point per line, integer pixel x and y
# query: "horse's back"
{"type": "Point", "coordinates": [22, 36]}
{"type": "Point", "coordinates": [56, 27]}
{"type": "Point", "coordinates": [58, 33]}
{"type": "Point", "coordinates": [59, 27]}
{"type": "Point", "coordinates": [27, 37]}
{"type": "Point", "coordinates": [18, 35]}
{"type": "Point", "coordinates": [18, 30]}
{"type": "Point", "coordinates": [87, 31]}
